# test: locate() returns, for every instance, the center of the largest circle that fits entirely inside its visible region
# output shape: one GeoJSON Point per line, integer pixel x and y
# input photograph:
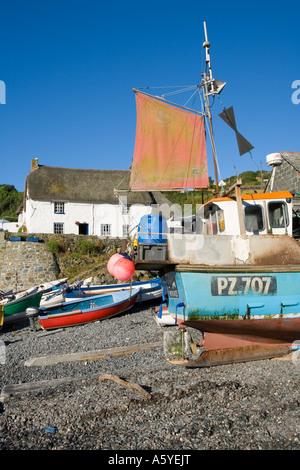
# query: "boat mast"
{"type": "Point", "coordinates": [209, 88]}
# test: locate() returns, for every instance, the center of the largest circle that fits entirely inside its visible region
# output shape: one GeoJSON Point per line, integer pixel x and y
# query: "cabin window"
{"type": "Point", "coordinates": [254, 221]}
{"type": "Point", "coordinates": [58, 227]}
{"type": "Point", "coordinates": [59, 208]}
{"type": "Point", "coordinates": [216, 221]}
{"type": "Point", "coordinates": [105, 230]}
{"type": "Point", "coordinates": [221, 220]}
{"type": "Point", "coordinates": [278, 216]}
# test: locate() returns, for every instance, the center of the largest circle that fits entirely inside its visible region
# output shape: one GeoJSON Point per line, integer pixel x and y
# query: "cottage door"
{"type": "Point", "coordinates": [83, 229]}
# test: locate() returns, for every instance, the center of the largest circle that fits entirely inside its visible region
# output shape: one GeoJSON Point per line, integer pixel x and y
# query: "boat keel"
{"type": "Point", "coordinates": [180, 348]}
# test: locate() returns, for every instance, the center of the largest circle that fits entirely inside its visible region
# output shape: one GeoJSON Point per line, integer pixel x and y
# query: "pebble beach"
{"type": "Point", "coordinates": [130, 398]}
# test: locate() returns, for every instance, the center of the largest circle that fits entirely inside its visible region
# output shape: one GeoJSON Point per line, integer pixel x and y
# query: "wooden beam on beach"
{"type": "Point", "coordinates": [14, 389]}
{"type": "Point", "coordinates": [91, 355]}
{"type": "Point", "coordinates": [11, 390]}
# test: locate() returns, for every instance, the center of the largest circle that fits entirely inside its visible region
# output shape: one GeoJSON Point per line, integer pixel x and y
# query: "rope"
{"type": "Point", "coordinates": [123, 178]}
{"type": "Point", "coordinates": [191, 98]}
{"type": "Point", "coordinates": [172, 86]}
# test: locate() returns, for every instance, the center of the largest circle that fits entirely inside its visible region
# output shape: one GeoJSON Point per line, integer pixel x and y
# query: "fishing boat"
{"type": "Point", "coordinates": [51, 286]}
{"type": "Point", "coordinates": [149, 290]}
{"type": "Point", "coordinates": [80, 311]}
{"type": "Point", "coordinates": [163, 317]}
{"type": "Point", "coordinates": [53, 298]}
{"type": "Point", "coordinates": [231, 271]}
{"type": "Point", "coordinates": [15, 305]}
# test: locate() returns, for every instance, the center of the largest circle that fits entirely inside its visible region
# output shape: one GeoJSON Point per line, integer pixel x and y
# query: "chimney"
{"type": "Point", "coordinates": [34, 163]}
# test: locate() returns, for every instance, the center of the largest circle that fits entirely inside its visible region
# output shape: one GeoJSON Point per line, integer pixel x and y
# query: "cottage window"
{"type": "Point", "coordinates": [105, 230]}
{"type": "Point", "coordinates": [125, 209]}
{"type": "Point", "coordinates": [278, 214]}
{"type": "Point", "coordinates": [58, 227]}
{"type": "Point", "coordinates": [59, 208]}
{"type": "Point", "coordinates": [126, 229]}
{"type": "Point", "coordinates": [124, 205]}
{"type": "Point", "coordinates": [254, 221]}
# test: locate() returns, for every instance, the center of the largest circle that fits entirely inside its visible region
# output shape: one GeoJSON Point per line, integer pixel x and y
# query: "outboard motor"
{"type": "Point", "coordinates": [32, 314]}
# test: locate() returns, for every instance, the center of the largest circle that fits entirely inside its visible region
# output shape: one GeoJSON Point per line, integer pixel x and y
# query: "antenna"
{"type": "Point", "coordinates": [206, 45]}
{"type": "Point", "coordinates": [208, 89]}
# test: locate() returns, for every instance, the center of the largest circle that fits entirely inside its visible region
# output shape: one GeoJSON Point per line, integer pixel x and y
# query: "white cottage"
{"type": "Point", "coordinates": [87, 202]}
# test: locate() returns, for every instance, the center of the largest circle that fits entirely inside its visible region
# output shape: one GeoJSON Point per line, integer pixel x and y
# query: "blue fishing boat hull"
{"type": "Point", "coordinates": [232, 294]}
{"type": "Point", "coordinates": [237, 308]}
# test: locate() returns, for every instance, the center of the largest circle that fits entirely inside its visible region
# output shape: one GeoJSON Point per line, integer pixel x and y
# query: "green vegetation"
{"type": "Point", "coordinates": [54, 246]}
{"type": "Point", "coordinates": [249, 178]}
{"type": "Point", "coordinates": [88, 247]}
{"type": "Point", "coordinates": [79, 257]}
{"type": "Point", "coordinates": [10, 202]}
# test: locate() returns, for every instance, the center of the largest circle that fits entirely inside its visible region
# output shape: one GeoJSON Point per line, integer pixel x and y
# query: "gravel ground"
{"type": "Point", "coordinates": [252, 406]}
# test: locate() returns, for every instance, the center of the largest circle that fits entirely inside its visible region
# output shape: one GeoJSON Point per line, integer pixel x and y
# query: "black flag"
{"type": "Point", "coordinates": [228, 116]}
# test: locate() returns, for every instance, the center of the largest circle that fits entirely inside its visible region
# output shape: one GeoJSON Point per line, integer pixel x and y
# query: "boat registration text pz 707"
{"type": "Point", "coordinates": [237, 285]}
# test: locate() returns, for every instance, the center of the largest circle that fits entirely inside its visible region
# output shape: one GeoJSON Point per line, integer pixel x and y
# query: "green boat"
{"type": "Point", "coordinates": [19, 305]}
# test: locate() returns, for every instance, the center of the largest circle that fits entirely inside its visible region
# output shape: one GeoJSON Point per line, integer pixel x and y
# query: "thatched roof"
{"type": "Point", "coordinates": [47, 183]}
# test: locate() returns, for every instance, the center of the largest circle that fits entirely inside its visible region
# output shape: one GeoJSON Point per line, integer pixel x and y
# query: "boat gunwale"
{"type": "Point", "coordinates": [49, 313]}
{"type": "Point", "coordinates": [237, 268]}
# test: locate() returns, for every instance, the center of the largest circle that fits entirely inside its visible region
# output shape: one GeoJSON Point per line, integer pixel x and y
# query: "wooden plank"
{"type": "Point", "coordinates": [14, 389]}
{"type": "Point", "coordinates": [89, 355]}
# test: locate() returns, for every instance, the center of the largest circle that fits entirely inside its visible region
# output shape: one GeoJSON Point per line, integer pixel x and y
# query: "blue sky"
{"type": "Point", "coordinates": [69, 67]}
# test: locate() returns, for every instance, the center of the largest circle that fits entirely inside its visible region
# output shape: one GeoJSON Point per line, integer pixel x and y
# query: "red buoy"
{"type": "Point", "coordinates": [121, 267]}
{"type": "Point", "coordinates": [112, 261]}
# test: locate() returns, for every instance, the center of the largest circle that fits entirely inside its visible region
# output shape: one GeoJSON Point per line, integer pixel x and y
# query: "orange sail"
{"type": "Point", "coordinates": [170, 147]}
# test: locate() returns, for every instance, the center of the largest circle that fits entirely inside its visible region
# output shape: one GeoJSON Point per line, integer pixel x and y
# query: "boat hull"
{"type": "Point", "coordinates": [78, 313]}
{"type": "Point", "coordinates": [19, 306]}
{"type": "Point", "coordinates": [149, 290]}
{"type": "Point", "coordinates": [233, 294]}
{"type": "Point", "coordinates": [243, 313]}
{"type": "Point", "coordinates": [238, 333]}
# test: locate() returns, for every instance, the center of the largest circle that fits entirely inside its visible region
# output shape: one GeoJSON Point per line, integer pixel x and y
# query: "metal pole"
{"type": "Point", "coordinates": [206, 45]}
{"type": "Point", "coordinates": [213, 147]}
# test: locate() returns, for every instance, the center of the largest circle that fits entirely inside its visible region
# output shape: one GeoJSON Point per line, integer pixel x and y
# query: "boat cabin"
{"type": "Point", "coordinates": [262, 214]}
{"type": "Point", "coordinates": [224, 231]}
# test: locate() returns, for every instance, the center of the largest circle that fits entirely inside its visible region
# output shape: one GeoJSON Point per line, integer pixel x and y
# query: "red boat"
{"type": "Point", "coordinates": [90, 309]}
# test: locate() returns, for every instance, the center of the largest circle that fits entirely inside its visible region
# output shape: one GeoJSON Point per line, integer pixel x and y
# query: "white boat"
{"type": "Point", "coordinates": [163, 318]}
{"type": "Point", "coordinates": [149, 290]}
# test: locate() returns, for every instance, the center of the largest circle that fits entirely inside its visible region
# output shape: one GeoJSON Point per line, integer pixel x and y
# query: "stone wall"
{"type": "Point", "coordinates": [25, 264]}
